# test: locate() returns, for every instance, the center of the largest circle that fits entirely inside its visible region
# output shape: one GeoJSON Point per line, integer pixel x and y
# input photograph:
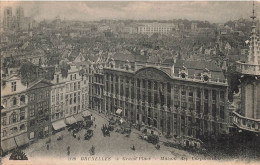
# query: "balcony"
{"type": "Point", "coordinates": [246, 123]}
{"type": "Point", "coordinates": [245, 68]}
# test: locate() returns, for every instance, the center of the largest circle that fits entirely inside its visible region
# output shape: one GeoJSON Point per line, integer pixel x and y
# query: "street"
{"type": "Point", "coordinates": [117, 145]}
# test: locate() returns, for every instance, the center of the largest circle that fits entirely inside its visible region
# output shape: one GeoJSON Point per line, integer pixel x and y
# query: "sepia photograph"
{"type": "Point", "coordinates": [123, 82]}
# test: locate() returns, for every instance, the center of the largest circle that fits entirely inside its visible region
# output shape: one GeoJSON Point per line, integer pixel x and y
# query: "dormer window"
{"type": "Point", "coordinates": [206, 78]}
{"type": "Point", "coordinates": [183, 75]}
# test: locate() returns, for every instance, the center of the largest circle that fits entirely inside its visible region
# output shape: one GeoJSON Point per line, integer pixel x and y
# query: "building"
{"type": "Point", "coordinates": [194, 26]}
{"type": "Point", "coordinates": [39, 110]}
{"type": "Point", "coordinates": [76, 93]}
{"type": "Point", "coordinates": [8, 18]}
{"type": "Point", "coordinates": [14, 113]}
{"type": "Point", "coordinates": [185, 99]}
{"type": "Point", "coordinates": [19, 17]}
{"type": "Point", "coordinates": [69, 95]}
{"type": "Point", "coordinates": [58, 99]}
{"type": "Point", "coordinates": [151, 28]}
{"type": "Point", "coordinates": [247, 116]}
{"type": "Point", "coordinates": [96, 87]}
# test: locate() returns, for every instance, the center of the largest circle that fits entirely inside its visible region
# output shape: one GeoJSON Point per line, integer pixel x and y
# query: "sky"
{"type": "Point", "coordinates": [212, 11]}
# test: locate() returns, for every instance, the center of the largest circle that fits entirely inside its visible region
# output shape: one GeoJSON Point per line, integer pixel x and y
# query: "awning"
{"type": "Point", "coordinates": [22, 139]}
{"type": "Point", "coordinates": [58, 124]}
{"type": "Point", "coordinates": [86, 113]}
{"type": "Point", "coordinates": [70, 120]}
{"type": "Point", "coordinates": [79, 117]}
{"type": "Point", "coordinates": [118, 111]}
{"type": "Point", "coordinates": [8, 144]}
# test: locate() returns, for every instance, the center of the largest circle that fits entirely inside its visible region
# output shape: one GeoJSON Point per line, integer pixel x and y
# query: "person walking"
{"type": "Point", "coordinates": [47, 147]}
{"type": "Point", "coordinates": [68, 150]}
{"type": "Point", "coordinates": [133, 147]}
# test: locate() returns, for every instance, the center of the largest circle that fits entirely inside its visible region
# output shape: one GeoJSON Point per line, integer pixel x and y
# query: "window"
{"type": "Point", "coordinates": [13, 86]}
{"type": "Point", "coordinates": [75, 109]}
{"type": "Point", "coordinates": [75, 76]}
{"type": "Point", "coordinates": [206, 108]}
{"type": "Point", "coordinates": [71, 87]}
{"type": "Point", "coordinates": [205, 78]}
{"type": "Point", "coordinates": [5, 102]}
{"type": "Point", "coordinates": [71, 77]}
{"type": "Point", "coordinates": [31, 111]}
{"type": "Point", "coordinates": [206, 94]}
{"type": "Point", "coordinates": [190, 96]}
{"type": "Point", "coordinates": [138, 83]}
{"type": "Point", "coordinates": [75, 87]}
{"type": "Point", "coordinates": [57, 79]}
{"type": "Point", "coordinates": [70, 99]}
{"type": "Point", "coordinates": [14, 101]}
{"type": "Point", "coordinates": [222, 96]}
{"type": "Point", "coordinates": [79, 85]}
{"type": "Point", "coordinates": [53, 98]}
{"type": "Point", "coordinates": [22, 127]}
{"type": "Point", "coordinates": [14, 130]}
{"type": "Point", "coordinates": [222, 113]}
{"type": "Point", "coordinates": [22, 114]}
{"type": "Point", "coordinates": [57, 98]}
{"type": "Point", "coordinates": [183, 75]}
{"type": "Point", "coordinates": [67, 88]}
{"type": "Point", "coordinates": [198, 93]}
{"type": "Point", "coordinates": [22, 99]}
{"type": "Point", "coordinates": [214, 110]}
{"type": "Point", "coordinates": [75, 98]}
{"type": "Point", "coordinates": [79, 97]}
{"type": "Point", "coordinates": [4, 133]}
{"type": "Point", "coordinates": [214, 96]}
{"type": "Point", "coordinates": [66, 99]}
{"type": "Point", "coordinates": [13, 118]}
{"type": "Point", "coordinates": [4, 121]}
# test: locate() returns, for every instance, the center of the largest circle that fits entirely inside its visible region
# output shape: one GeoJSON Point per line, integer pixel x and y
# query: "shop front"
{"type": "Point", "coordinates": [8, 145]}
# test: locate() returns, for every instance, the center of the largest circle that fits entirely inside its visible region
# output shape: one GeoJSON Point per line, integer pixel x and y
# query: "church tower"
{"type": "Point", "coordinates": [247, 117]}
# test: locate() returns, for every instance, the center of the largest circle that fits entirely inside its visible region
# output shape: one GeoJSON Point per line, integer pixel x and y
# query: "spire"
{"type": "Point", "coordinates": [253, 47]}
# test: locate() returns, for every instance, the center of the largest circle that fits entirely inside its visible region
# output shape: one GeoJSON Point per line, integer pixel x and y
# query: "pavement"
{"type": "Point", "coordinates": [117, 145]}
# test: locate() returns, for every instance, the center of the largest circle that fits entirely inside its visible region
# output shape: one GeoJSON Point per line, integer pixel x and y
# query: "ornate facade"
{"type": "Point", "coordinates": [39, 110]}
{"type": "Point", "coordinates": [175, 98]}
{"type": "Point", "coordinates": [247, 116]}
{"type": "Point", "coordinates": [14, 113]}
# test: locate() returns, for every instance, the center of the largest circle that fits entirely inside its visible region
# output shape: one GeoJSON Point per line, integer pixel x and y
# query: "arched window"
{"type": "Point", "coordinates": [5, 103]}
{"type": "Point", "coordinates": [183, 75]}
{"type": "Point", "coordinates": [22, 99]}
{"type": "Point", "coordinates": [13, 117]}
{"type": "Point", "coordinates": [22, 127]}
{"type": "Point", "coordinates": [14, 130]}
{"type": "Point", "coordinates": [14, 101]}
{"type": "Point", "coordinates": [205, 78]}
